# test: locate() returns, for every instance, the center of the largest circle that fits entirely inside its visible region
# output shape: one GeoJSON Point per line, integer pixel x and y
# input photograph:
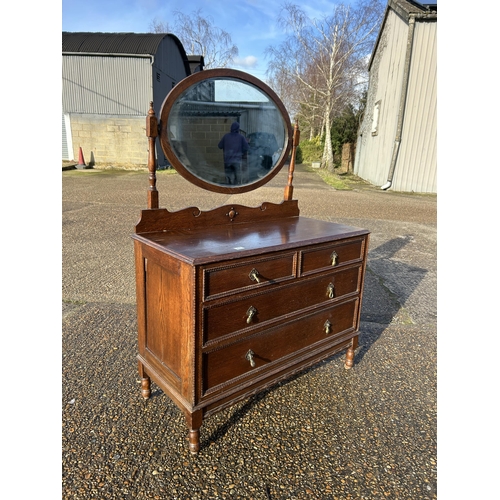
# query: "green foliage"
{"type": "Point", "coordinates": [309, 151]}
{"type": "Point", "coordinates": [344, 129]}
{"type": "Point", "coordinates": [298, 155]}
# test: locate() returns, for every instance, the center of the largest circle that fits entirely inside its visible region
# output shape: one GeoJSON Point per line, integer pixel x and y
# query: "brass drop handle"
{"type": "Point", "coordinates": [330, 290]}
{"type": "Point", "coordinates": [250, 314]}
{"type": "Point", "coordinates": [249, 356]}
{"type": "Point", "coordinates": [254, 275]}
{"type": "Point", "coordinates": [334, 258]}
{"type": "Point", "coordinates": [328, 327]}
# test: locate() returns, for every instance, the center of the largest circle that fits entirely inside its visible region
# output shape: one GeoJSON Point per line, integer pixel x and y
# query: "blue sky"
{"type": "Point", "coordinates": [251, 23]}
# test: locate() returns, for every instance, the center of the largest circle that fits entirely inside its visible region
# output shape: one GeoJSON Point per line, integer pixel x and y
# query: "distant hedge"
{"type": "Point", "coordinates": [310, 150]}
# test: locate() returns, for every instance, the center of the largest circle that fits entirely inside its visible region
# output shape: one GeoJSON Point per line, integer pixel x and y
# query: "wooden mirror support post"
{"type": "Point", "coordinates": [232, 300]}
{"type": "Point", "coordinates": [291, 168]}
{"type": "Point", "coordinates": [152, 134]}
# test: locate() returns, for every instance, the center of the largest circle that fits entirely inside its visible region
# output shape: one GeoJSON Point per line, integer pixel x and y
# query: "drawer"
{"type": "Point", "coordinates": [269, 348]}
{"type": "Point", "coordinates": [231, 317]}
{"type": "Point", "coordinates": [336, 254]}
{"type": "Point", "coordinates": [246, 274]}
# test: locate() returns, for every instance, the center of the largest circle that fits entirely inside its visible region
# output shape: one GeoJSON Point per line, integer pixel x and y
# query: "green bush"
{"type": "Point", "coordinates": [310, 150]}
{"type": "Point", "coordinates": [298, 155]}
{"type": "Point", "coordinates": [344, 130]}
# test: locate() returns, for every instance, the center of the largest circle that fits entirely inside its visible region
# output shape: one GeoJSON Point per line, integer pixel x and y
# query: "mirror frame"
{"type": "Point", "coordinates": [232, 74]}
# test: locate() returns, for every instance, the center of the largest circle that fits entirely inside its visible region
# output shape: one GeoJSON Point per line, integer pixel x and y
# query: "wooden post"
{"type": "Point", "coordinates": [347, 157]}
{"type": "Point", "coordinates": [152, 133]}
{"type": "Point", "coordinates": [291, 168]}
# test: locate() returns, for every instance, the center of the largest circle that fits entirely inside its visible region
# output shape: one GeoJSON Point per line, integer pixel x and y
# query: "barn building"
{"type": "Point", "coordinates": [108, 80]}
{"type": "Point", "coordinates": [397, 140]}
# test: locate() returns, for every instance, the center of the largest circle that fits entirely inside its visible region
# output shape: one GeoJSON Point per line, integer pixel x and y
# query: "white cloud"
{"type": "Point", "coordinates": [245, 62]}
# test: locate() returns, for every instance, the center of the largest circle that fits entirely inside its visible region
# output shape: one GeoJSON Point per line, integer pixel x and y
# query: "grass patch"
{"type": "Point", "coordinates": [116, 171]}
{"type": "Point", "coordinates": [168, 171]}
{"type": "Point", "coordinates": [74, 302]}
{"type": "Point", "coordinates": [103, 171]}
{"type": "Point", "coordinates": [333, 180]}
{"type": "Point", "coordinates": [342, 181]}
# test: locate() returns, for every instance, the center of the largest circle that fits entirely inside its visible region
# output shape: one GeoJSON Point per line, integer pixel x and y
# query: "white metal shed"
{"type": "Point", "coordinates": [397, 141]}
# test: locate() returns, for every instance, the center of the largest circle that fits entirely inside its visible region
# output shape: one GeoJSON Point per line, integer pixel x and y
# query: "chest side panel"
{"type": "Point", "coordinates": [169, 319]}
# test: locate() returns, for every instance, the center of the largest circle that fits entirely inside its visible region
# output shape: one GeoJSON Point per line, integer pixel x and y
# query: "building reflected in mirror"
{"type": "Point", "coordinates": [205, 112]}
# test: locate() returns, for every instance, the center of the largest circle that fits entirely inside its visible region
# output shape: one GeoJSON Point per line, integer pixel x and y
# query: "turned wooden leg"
{"type": "Point", "coordinates": [355, 342]}
{"type": "Point", "coordinates": [145, 382]}
{"type": "Point", "coordinates": [194, 440]}
{"type": "Point", "coordinates": [194, 421]}
{"type": "Point", "coordinates": [146, 387]}
{"type": "Point", "coordinates": [349, 358]}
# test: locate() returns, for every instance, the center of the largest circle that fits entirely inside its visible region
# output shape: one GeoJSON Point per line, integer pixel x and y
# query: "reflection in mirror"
{"type": "Point", "coordinates": [226, 132]}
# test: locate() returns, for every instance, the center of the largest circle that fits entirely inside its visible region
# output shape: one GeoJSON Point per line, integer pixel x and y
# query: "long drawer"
{"type": "Point", "coordinates": [257, 310]}
{"type": "Point", "coordinates": [265, 349]}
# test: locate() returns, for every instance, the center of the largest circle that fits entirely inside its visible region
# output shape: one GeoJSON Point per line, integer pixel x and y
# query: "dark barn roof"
{"type": "Point", "coordinates": [114, 43]}
{"type": "Point", "coordinates": [118, 43]}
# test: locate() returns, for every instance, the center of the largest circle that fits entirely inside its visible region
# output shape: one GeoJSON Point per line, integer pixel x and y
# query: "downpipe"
{"type": "Point", "coordinates": [395, 152]}
{"type": "Point", "coordinates": [402, 103]}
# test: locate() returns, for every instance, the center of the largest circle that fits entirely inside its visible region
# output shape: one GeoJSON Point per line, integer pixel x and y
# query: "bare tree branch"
{"type": "Point", "coordinates": [323, 62]}
{"type": "Point", "coordinates": [200, 36]}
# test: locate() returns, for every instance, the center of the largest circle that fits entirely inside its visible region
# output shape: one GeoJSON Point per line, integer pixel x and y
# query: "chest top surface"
{"type": "Point", "coordinates": [239, 240]}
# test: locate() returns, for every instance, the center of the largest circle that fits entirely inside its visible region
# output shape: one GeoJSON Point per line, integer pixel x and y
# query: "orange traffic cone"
{"type": "Point", "coordinates": [81, 161]}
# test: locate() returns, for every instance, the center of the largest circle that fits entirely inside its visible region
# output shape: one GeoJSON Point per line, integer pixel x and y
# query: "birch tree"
{"type": "Point", "coordinates": [325, 62]}
{"type": "Point", "coordinates": [200, 36]}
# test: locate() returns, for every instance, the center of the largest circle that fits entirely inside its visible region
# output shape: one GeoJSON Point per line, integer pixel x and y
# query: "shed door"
{"type": "Point", "coordinates": [67, 144]}
{"type": "Point", "coordinates": [64, 141]}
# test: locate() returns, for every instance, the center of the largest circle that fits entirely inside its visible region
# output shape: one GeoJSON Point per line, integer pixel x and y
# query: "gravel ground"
{"type": "Point", "coordinates": [327, 433]}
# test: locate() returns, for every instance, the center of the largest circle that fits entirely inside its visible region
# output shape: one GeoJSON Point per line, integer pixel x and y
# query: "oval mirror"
{"type": "Point", "coordinates": [225, 131]}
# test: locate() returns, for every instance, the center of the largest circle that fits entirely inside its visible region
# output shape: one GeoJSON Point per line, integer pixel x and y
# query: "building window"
{"type": "Point", "coordinates": [157, 77]}
{"type": "Point", "coordinates": [376, 114]}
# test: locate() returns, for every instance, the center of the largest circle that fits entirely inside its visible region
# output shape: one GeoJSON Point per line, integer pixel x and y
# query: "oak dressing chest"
{"type": "Point", "coordinates": [232, 300]}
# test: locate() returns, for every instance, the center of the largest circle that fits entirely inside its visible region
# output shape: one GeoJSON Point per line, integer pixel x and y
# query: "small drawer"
{"type": "Point", "coordinates": [323, 257]}
{"type": "Point", "coordinates": [243, 274]}
{"type": "Point", "coordinates": [267, 349]}
{"type": "Point", "coordinates": [231, 317]}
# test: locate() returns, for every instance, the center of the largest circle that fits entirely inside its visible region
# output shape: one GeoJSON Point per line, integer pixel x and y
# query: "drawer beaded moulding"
{"type": "Point", "coordinates": [232, 300]}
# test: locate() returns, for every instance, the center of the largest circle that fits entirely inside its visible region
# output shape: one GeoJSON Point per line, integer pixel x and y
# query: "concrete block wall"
{"type": "Point", "coordinates": [110, 141]}
{"type": "Point", "coordinates": [205, 134]}
{"type": "Point", "coordinates": [200, 139]}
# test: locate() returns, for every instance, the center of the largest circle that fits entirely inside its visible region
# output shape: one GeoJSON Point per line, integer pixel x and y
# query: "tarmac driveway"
{"type": "Point", "coordinates": [369, 432]}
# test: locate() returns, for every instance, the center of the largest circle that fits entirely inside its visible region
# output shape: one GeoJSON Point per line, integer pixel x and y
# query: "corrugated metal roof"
{"type": "Point", "coordinates": [404, 8]}
{"type": "Point", "coordinates": [408, 6]}
{"type": "Point", "coordinates": [114, 43]}
{"type": "Point", "coordinates": [426, 5]}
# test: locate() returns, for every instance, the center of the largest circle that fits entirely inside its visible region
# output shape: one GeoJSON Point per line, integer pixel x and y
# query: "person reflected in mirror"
{"type": "Point", "coordinates": [235, 147]}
